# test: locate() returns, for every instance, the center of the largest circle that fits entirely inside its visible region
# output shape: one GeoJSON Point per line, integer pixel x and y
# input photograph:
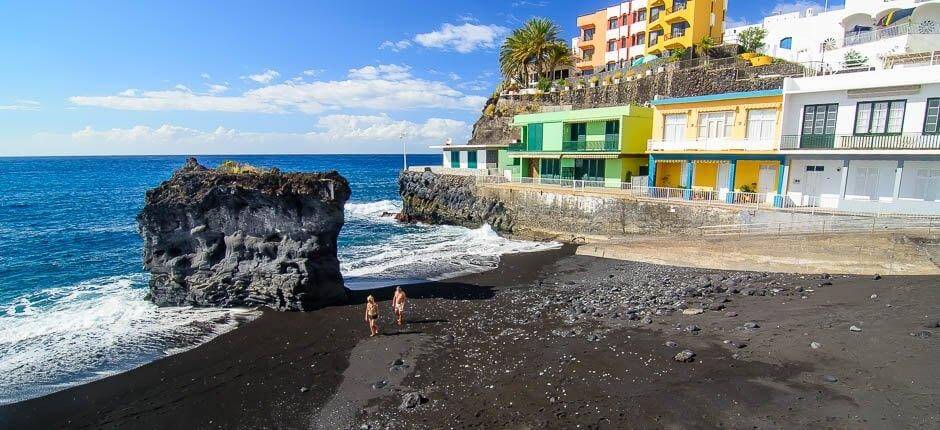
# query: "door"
{"type": "Point", "coordinates": [766, 179]}
{"type": "Point", "coordinates": [812, 179]}
{"type": "Point", "coordinates": [533, 168]}
{"type": "Point", "coordinates": [723, 179]}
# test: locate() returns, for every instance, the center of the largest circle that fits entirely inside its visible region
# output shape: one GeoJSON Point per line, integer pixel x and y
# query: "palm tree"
{"type": "Point", "coordinates": [558, 55]}
{"type": "Point", "coordinates": [527, 49]}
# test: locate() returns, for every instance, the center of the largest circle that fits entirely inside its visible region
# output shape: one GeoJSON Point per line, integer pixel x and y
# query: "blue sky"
{"type": "Point", "coordinates": [174, 77]}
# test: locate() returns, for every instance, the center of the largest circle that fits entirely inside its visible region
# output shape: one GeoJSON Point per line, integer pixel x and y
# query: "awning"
{"type": "Point", "coordinates": [895, 17]}
{"type": "Point", "coordinates": [536, 155]}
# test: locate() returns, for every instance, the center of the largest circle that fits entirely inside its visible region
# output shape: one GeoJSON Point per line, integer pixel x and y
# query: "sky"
{"type": "Point", "coordinates": [277, 77]}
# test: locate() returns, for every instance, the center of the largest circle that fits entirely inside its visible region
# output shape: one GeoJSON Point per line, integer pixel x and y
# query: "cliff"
{"type": "Point", "coordinates": [445, 199]}
{"type": "Point", "coordinates": [680, 79]}
{"type": "Point", "coordinates": [241, 236]}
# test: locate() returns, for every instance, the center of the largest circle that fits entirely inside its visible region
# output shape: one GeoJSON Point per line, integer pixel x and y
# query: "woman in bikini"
{"type": "Point", "coordinates": [372, 315]}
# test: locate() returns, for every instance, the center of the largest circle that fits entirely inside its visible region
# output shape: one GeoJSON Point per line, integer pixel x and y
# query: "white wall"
{"type": "Point", "coordinates": [883, 189]}
{"type": "Point", "coordinates": [915, 110]}
{"type": "Point", "coordinates": [810, 28]}
{"type": "Point", "coordinates": [916, 188]}
{"type": "Point", "coordinates": [829, 183]}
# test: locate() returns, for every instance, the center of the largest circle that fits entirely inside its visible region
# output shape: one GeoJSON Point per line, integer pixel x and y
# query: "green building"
{"type": "Point", "coordinates": [601, 144]}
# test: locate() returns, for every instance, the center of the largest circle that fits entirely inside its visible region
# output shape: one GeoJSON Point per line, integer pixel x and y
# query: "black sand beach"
{"type": "Point", "coordinates": [553, 340]}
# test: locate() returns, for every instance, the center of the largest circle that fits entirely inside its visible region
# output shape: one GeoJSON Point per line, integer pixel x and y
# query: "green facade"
{"type": "Point", "coordinates": [601, 144]}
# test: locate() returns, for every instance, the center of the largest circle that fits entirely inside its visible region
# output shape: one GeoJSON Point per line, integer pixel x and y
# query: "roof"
{"type": "Point", "coordinates": [715, 97]}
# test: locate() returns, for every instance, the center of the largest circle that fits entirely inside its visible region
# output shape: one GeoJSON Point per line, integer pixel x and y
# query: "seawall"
{"type": "Point", "coordinates": [567, 215]}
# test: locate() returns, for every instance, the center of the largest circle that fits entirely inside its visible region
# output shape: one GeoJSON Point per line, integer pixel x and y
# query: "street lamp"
{"type": "Point", "coordinates": [404, 151]}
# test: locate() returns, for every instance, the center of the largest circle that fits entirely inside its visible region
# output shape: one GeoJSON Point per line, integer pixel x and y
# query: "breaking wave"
{"type": "Point", "coordinates": [59, 337]}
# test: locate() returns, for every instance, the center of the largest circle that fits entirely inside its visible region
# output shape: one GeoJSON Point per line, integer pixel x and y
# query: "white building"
{"type": "Point", "coordinates": [472, 159]}
{"type": "Point", "coordinates": [864, 141]}
{"type": "Point", "coordinates": [826, 36]}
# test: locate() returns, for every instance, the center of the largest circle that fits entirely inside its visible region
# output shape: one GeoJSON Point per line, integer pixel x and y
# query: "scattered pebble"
{"type": "Point", "coordinates": [751, 325]}
{"type": "Point", "coordinates": [685, 356]}
{"type": "Point", "coordinates": [855, 328]}
{"type": "Point", "coordinates": [830, 378]}
{"type": "Point", "coordinates": [671, 344]}
{"type": "Point", "coordinates": [814, 345]}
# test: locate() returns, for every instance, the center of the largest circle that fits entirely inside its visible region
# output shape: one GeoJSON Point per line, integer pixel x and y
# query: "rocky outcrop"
{"type": "Point", "coordinates": [448, 199]}
{"type": "Point", "coordinates": [243, 237]}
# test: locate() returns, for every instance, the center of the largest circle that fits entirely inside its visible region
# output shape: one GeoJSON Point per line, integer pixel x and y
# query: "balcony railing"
{"type": "Point", "coordinates": [712, 144]}
{"type": "Point", "coordinates": [610, 143]}
{"type": "Point", "coordinates": [903, 141]}
{"type": "Point", "coordinates": [524, 147]}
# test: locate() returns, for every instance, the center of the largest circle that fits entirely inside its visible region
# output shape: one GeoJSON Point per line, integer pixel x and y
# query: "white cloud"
{"type": "Point", "coordinates": [525, 3]}
{"type": "Point", "coordinates": [182, 87]}
{"type": "Point", "coordinates": [312, 72]}
{"type": "Point", "coordinates": [264, 77]}
{"type": "Point", "coordinates": [395, 46]}
{"type": "Point", "coordinates": [462, 38]}
{"type": "Point", "coordinates": [333, 134]}
{"type": "Point", "coordinates": [21, 105]}
{"type": "Point", "coordinates": [453, 76]}
{"type": "Point", "coordinates": [216, 88]}
{"type": "Point", "coordinates": [392, 72]}
{"type": "Point", "coordinates": [732, 22]}
{"type": "Point", "coordinates": [381, 87]}
{"type": "Point", "coordinates": [796, 6]}
{"type": "Point", "coordinates": [205, 76]}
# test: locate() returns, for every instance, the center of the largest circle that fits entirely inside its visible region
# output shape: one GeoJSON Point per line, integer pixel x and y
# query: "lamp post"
{"type": "Point", "coordinates": [404, 151]}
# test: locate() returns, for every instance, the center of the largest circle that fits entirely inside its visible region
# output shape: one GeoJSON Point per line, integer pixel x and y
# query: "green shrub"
{"type": "Point", "coordinates": [234, 167]}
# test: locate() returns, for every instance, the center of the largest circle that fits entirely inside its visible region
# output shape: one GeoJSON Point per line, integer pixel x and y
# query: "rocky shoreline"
{"type": "Point", "coordinates": [554, 340]}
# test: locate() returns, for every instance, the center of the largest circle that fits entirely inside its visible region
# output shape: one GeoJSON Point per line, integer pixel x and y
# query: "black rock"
{"type": "Point", "coordinates": [692, 328]}
{"type": "Point", "coordinates": [830, 378]}
{"type": "Point", "coordinates": [671, 344]}
{"type": "Point", "coordinates": [876, 277]}
{"type": "Point", "coordinates": [751, 325]}
{"type": "Point", "coordinates": [214, 237]}
{"type": "Point", "coordinates": [304, 389]}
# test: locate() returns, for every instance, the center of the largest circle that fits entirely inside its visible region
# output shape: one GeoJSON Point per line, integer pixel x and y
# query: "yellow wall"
{"type": "Point", "coordinates": [748, 173]}
{"type": "Point", "coordinates": [699, 16]}
{"type": "Point", "coordinates": [705, 175]}
{"type": "Point", "coordinates": [669, 175]}
{"type": "Point", "coordinates": [739, 106]}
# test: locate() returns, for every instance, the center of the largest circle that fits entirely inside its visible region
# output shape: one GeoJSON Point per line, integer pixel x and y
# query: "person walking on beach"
{"type": "Point", "coordinates": [398, 302]}
{"type": "Point", "coordinates": [372, 315]}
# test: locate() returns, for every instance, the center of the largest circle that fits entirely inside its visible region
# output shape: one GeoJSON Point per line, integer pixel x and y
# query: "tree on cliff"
{"type": "Point", "coordinates": [534, 47]}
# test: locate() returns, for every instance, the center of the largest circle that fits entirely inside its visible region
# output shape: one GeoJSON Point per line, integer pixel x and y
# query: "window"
{"type": "Point", "coordinates": [639, 39]}
{"type": "Point", "coordinates": [471, 159]}
{"type": "Point", "coordinates": [932, 118]}
{"type": "Point", "coordinates": [815, 168]}
{"type": "Point", "coordinates": [577, 131]}
{"type": "Point", "coordinates": [640, 15]}
{"type": "Point", "coordinates": [587, 55]}
{"type": "Point", "coordinates": [885, 117]}
{"type": "Point", "coordinates": [715, 124]}
{"type": "Point", "coordinates": [612, 127]}
{"type": "Point", "coordinates": [674, 127]}
{"type": "Point", "coordinates": [612, 24]}
{"type": "Point", "coordinates": [589, 170]}
{"type": "Point", "coordinates": [624, 21]}
{"type": "Point", "coordinates": [654, 37]}
{"type": "Point", "coordinates": [611, 66]}
{"type": "Point", "coordinates": [820, 119]}
{"type": "Point", "coordinates": [623, 42]}
{"type": "Point", "coordinates": [678, 29]}
{"type": "Point", "coordinates": [786, 43]}
{"type": "Point", "coordinates": [927, 184]}
{"type": "Point", "coordinates": [866, 181]}
{"type": "Point", "coordinates": [455, 159]}
{"type": "Point", "coordinates": [761, 123]}
{"type": "Point", "coordinates": [550, 168]}
{"type": "Point", "coordinates": [588, 34]}
{"type": "Point", "coordinates": [611, 45]}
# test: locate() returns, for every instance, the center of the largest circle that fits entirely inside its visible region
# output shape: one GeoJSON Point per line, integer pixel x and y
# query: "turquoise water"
{"type": "Point", "coordinates": [71, 284]}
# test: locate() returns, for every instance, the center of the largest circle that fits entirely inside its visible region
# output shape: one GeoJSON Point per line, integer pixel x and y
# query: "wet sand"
{"type": "Point", "coordinates": [548, 340]}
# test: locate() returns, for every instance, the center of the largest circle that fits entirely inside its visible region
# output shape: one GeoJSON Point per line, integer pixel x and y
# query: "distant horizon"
{"type": "Point", "coordinates": [217, 155]}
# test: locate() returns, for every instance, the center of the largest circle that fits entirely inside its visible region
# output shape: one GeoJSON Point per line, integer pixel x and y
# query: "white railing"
{"type": "Point", "coordinates": [712, 144]}
{"type": "Point", "coordinates": [449, 170]}
{"type": "Point", "coordinates": [708, 197]}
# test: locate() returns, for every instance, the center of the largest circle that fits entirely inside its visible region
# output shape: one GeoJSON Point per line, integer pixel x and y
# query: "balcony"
{"type": "Point", "coordinates": [903, 141]}
{"type": "Point", "coordinates": [677, 38]}
{"type": "Point", "coordinates": [611, 143]}
{"type": "Point", "coordinates": [711, 145]}
{"type": "Point", "coordinates": [524, 147]}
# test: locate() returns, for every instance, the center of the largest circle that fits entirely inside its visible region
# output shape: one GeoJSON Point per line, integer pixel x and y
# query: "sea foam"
{"type": "Point", "coordinates": [59, 337]}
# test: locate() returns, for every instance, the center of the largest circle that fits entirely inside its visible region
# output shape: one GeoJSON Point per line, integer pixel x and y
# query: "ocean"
{"type": "Point", "coordinates": [72, 288]}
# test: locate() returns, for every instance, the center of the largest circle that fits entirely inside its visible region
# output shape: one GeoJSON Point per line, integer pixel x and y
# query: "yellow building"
{"type": "Point", "coordinates": [717, 143]}
{"type": "Point", "coordinates": [679, 24]}
{"type": "Point", "coordinates": [615, 36]}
